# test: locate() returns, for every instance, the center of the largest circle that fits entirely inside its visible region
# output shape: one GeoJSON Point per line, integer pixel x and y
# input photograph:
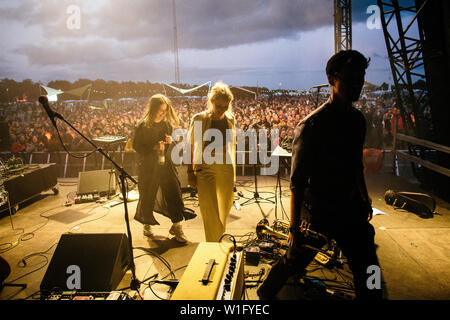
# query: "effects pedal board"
{"type": "Point", "coordinates": [75, 295]}
{"type": "Point", "coordinates": [86, 198]}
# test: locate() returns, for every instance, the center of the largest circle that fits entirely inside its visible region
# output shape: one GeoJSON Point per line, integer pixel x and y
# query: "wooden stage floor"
{"type": "Point", "coordinates": [414, 253]}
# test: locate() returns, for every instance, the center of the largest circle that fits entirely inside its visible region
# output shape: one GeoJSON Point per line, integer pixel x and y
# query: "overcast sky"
{"type": "Point", "coordinates": [268, 43]}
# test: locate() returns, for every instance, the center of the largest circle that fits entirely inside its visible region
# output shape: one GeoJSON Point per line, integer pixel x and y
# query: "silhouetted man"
{"type": "Point", "coordinates": [327, 178]}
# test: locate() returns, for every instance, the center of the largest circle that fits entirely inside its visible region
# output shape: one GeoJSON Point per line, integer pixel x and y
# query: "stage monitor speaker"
{"type": "Point", "coordinates": [87, 262]}
{"type": "Point", "coordinates": [102, 182]}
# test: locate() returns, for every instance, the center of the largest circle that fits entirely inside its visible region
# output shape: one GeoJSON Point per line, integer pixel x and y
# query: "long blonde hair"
{"type": "Point", "coordinates": [152, 109]}
{"type": "Point", "coordinates": [220, 91]}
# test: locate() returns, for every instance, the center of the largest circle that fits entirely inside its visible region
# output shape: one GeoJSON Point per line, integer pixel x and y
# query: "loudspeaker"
{"type": "Point", "coordinates": [87, 262]}
{"type": "Point", "coordinates": [102, 182]}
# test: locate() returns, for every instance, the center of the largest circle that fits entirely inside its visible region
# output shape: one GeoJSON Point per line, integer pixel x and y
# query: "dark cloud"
{"type": "Point", "coordinates": [206, 24]}
{"type": "Point", "coordinates": [63, 52]}
{"type": "Point", "coordinates": [211, 24]}
{"type": "Point", "coordinates": [119, 37]}
{"type": "Point", "coordinates": [202, 24]}
{"type": "Point", "coordinates": [119, 29]}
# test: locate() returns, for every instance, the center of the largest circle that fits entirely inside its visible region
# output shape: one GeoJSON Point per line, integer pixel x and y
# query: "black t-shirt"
{"type": "Point", "coordinates": [146, 138]}
{"type": "Point", "coordinates": [222, 126]}
{"type": "Point", "coordinates": [327, 156]}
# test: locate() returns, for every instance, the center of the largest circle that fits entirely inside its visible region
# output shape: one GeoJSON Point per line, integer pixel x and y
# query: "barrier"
{"type": "Point", "coordinates": [69, 167]}
{"type": "Point", "coordinates": [417, 160]}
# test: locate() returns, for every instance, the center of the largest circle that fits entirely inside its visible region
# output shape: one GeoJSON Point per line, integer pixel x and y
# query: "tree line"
{"type": "Point", "coordinates": [11, 90]}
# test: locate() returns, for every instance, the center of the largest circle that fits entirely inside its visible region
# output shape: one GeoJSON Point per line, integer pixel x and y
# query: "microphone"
{"type": "Point", "coordinates": [51, 114]}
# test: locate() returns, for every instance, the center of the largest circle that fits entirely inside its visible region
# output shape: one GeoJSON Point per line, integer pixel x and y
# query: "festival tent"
{"type": "Point", "coordinates": [369, 85]}
{"type": "Point", "coordinates": [184, 91]}
{"type": "Point", "coordinates": [233, 89]}
{"type": "Point", "coordinates": [52, 94]}
{"type": "Point", "coordinates": [319, 87]}
{"type": "Point", "coordinates": [78, 92]}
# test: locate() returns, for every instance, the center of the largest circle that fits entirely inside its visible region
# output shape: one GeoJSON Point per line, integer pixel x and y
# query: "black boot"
{"type": "Point", "coordinates": [188, 214]}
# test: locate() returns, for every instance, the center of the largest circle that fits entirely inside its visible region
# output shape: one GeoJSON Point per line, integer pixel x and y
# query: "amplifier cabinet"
{"type": "Point", "coordinates": [215, 272]}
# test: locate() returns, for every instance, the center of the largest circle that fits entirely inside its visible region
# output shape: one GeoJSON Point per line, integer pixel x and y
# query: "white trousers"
{"type": "Point", "coordinates": [215, 185]}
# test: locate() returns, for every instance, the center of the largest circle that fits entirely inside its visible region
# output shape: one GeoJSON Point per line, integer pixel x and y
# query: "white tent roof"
{"type": "Point", "coordinates": [184, 91]}
{"type": "Point", "coordinates": [51, 91]}
{"type": "Point", "coordinates": [246, 90]}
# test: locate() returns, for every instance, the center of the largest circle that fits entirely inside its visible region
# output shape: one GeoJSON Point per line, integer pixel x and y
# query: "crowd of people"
{"type": "Point", "coordinates": [30, 129]}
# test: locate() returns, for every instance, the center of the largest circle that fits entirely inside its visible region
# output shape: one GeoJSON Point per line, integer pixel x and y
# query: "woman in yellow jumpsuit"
{"type": "Point", "coordinates": [213, 165]}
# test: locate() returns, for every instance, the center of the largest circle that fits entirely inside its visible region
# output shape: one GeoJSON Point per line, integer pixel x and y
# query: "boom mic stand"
{"type": "Point", "coordinates": [123, 175]}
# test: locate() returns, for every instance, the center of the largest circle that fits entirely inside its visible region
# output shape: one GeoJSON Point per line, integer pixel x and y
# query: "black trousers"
{"type": "Point", "coordinates": [172, 198]}
{"type": "Point", "coordinates": [159, 192]}
{"type": "Point", "coordinates": [357, 244]}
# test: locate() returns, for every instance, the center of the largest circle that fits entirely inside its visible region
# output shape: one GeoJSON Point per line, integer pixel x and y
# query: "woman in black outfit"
{"type": "Point", "coordinates": [152, 142]}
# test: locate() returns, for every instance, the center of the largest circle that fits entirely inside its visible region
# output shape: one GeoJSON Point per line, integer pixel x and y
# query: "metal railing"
{"type": "Point", "coordinates": [415, 159]}
{"type": "Point", "coordinates": [69, 167]}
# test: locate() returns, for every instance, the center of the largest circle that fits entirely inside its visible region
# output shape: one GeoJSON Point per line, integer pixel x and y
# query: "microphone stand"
{"type": "Point", "coordinates": [256, 198]}
{"type": "Point", "coordinates": [123, 175]}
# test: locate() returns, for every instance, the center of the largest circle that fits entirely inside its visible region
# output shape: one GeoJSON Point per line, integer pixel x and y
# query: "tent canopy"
{"type": "Point", "coordinates": [368, 84]}
{"type": "Point", "coordinates": [78, 92]}
{"type": "Point", "coordinates": [184, 91]}
{"type": "Point", "coordinates": [243, 89]}
{"type": "Point", "coordinates": [320, 86]}
{"type": "Point", "coordinates": [51, 91]}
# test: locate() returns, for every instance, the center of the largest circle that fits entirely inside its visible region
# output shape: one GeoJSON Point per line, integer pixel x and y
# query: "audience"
{"type": "Point", "coordinates": [31, 130]}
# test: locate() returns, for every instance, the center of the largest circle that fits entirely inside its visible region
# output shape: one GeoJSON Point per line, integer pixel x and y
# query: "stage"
{"type": "Point", "coordinates": [413, 252]}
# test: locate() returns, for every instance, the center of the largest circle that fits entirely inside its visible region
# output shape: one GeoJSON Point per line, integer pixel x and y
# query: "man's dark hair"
{"type": "Point", "coordinates": [346, 58]}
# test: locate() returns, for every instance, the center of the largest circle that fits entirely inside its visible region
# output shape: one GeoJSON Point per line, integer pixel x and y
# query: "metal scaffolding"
{"type": "Point", "coordinates": [175, 44]}
{"type": "Point", "coordinates": [405, 50]}
{"type": "Point", "coordinates": [342, 25]}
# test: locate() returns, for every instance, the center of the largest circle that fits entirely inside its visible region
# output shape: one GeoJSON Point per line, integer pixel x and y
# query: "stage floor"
{"type": "Point", "coordinates": [414, 253]}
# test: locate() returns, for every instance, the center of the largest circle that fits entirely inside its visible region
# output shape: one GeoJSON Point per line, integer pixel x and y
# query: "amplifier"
{"type": "Point", "coordinates": [101, 182]}
{"type": "Point", "coordinates": [215, 272]}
